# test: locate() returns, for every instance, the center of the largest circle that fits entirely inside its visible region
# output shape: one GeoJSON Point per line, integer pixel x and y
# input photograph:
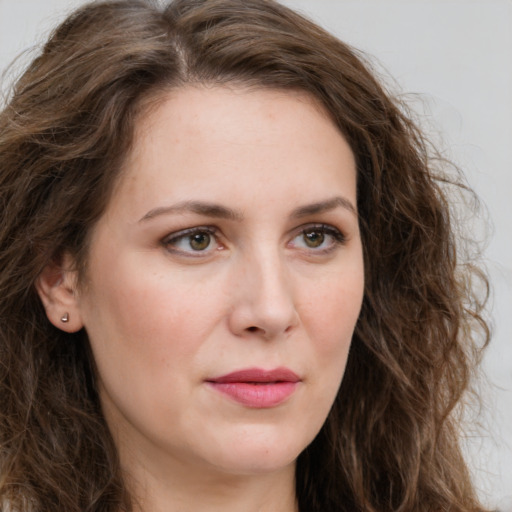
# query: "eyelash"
{"type": "Point", "coordinates": [172, 240]}
{"type": "Point", "coordinates": [325, 229]}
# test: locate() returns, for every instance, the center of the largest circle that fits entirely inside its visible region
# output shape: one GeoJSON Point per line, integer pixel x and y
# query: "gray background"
{"type": "Point", "coordinates": [454, 61]}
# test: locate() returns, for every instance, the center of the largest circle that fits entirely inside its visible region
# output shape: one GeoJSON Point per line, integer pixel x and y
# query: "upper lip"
{"type": "Point", "coordinates": [258, 375]}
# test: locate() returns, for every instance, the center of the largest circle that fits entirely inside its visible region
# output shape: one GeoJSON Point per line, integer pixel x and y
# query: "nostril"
{"type": "Point", "coordinates": [252, 329]}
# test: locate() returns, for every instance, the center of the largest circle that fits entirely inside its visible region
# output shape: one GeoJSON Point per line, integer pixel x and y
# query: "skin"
{"type": "Point", "coordinates": [272, 284]}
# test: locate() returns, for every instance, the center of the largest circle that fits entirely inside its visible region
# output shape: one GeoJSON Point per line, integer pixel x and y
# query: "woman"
{"type": "Point", "coordinates": [229, 278]}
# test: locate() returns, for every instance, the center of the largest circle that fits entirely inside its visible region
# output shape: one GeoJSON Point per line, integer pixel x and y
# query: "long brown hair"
{"type": "Point", "coordinates": [391, 439]}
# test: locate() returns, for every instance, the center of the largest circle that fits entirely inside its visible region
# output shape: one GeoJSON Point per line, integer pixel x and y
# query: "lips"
{"type": "Point", "coordinates": [257, 388]}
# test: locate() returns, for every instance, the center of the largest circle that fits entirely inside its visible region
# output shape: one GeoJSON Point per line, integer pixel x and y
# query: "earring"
{"type": "Point", "coordinates": [65, 318]}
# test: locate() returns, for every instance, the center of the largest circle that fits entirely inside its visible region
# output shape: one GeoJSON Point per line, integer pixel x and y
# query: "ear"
{"type": "Point", "coordinates": [57, 289]}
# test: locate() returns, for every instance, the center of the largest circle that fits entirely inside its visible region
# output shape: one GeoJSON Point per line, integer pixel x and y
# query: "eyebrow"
{"type": "Point", "coordinates": [222, 212]}
{"type": "Point", "coordinates": [324, 206]}
{"type": "Point", "coordinates": [199, 207]}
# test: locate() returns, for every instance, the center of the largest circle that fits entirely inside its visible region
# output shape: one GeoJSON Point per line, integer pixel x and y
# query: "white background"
{"type": "Point", "coordinates": [455, 59]}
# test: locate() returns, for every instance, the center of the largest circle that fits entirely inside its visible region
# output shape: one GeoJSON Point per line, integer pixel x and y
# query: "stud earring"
{"type": "Point", "coordinates": [65, 318]}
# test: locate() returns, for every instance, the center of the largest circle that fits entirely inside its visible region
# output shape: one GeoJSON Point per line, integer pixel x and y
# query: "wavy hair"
{"type": "Point", "coordinates": [391, 440]}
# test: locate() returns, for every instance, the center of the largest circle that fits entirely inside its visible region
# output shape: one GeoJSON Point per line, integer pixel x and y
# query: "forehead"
{"type": "Point", "coordinates": [224, 110]}
{"type": "Point", "coordinates": [203, 136]}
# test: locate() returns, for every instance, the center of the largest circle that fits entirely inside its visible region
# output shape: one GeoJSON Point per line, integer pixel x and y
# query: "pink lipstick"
{"type": "Point", "coordinates": [257, 388]}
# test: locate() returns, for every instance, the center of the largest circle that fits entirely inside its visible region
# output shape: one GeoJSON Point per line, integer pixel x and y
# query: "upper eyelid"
{"type": "Point", "coordinates": [338, 235]}
{"type": "Point", "coordinates": [169, 242]}
{"type": "Point", "coordinates": [215, 231]}
{"type": "Point", "coordinates": [318, 225]}
{"type": "Point", "coordinates": [175, 235]}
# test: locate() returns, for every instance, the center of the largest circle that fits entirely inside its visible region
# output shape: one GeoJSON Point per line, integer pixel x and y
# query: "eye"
{"type": "Point", "coordinates": [193, 242]}
{"type": "Point", "coordinates": [314, 239]}
{"type": "Point", "coordinates": [319, 238]}
{"type": "Point", "coordinates": [199, 241]}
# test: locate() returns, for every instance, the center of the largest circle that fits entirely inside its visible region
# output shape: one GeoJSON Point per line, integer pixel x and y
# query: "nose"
{"type": "Point", "coordinates": [263, 299]}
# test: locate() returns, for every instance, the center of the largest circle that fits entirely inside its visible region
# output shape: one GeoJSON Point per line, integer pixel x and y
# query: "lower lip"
{"type": "Point", "coordinates": [256, 395]}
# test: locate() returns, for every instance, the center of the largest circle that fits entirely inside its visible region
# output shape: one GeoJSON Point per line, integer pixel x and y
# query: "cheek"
{"type": "Point", "coordinates": [147, 331]}
{"type": "Point", "coordinates": [329, 317]}
{"type": "Point", "coordinates": [138, 318]}
{"type": "Point", "coordinates": [332, 310]}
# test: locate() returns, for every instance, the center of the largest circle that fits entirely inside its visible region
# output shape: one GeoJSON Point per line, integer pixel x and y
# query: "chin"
{"type": "Point", "coordinates": [264, 462]}
{"type": "Point", "coordinates": [256, 451]}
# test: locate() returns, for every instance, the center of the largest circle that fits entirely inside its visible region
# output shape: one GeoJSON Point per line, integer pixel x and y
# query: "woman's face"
{"type": "Point", "coordinates": [224, 281]}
